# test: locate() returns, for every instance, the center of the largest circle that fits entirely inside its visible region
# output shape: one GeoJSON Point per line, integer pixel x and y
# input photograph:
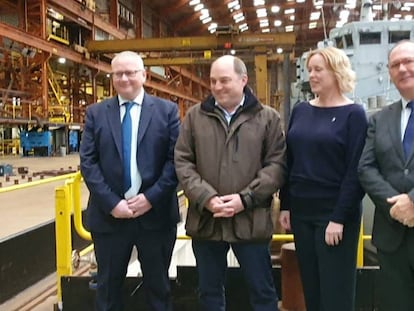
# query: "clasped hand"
{"type": "Point", "coordinates": [225, 206]}
{"type": "Point", "coordinates": [132, 208]}
{"type": "Point", "coordinates": [402, 209]}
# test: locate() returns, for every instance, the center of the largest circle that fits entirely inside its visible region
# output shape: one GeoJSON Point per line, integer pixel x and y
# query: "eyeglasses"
{"type": "Point", "coordinates": [128, 73]}
{"type": "Point", "coordinates": [408, 62]}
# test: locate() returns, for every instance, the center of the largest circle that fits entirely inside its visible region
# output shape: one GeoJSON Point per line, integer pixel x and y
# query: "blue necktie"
{"type": "Point", "coordinates": [409, 131]}
{"type": "Point", "coordinates": [126, 145]}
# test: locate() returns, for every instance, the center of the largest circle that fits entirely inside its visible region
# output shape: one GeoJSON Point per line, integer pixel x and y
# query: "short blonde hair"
{"type": "Point", "coordinates": [339, 63]}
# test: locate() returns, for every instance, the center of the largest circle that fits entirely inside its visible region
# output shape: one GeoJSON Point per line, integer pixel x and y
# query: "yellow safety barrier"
{"type": "Point", "coordinates": [67, 201]}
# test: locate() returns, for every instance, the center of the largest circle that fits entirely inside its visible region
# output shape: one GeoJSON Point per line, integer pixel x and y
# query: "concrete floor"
{"type": "Point", "coordinates": [28, 208]}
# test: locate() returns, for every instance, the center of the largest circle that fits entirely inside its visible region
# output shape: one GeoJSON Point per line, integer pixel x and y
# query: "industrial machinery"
{"type": "Point", "coordinates": [367, 43]}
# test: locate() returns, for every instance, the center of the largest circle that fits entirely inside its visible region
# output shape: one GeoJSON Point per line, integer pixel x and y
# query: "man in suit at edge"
{"type": "Point", "coordinates": [145, 215]}
{"type": "Point", "coordinates": [387, 174]}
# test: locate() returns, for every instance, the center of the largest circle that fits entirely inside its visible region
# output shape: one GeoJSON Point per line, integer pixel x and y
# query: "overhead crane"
{"type": "Point", "coordinates": [259, 43]}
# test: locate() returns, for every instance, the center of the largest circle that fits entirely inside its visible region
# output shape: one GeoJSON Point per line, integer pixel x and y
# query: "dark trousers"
{"type": "Point", "coordinates": [255, 264]}
{"type": "Point", "coordinates": [113, 252]}
{"type": "Point", "coordinates": [396, 277]}
{"type": "Point", "coordinates": [328, 273]}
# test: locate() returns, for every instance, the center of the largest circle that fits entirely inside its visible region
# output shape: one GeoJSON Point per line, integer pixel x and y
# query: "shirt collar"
{"type": "Point", "coordinates": [235, 108]}
{"type": "Point", "coordinates": [138, 100]}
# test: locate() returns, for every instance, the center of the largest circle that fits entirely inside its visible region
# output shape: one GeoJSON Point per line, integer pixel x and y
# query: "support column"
{"type": "Point", "coordinates": [260, 67]}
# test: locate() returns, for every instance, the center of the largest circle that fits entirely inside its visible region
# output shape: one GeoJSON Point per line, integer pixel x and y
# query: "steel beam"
{"type": "Point", "coordinates": [176, 61]}
{"type": "Point", "coordinates": [75, 8]}
{"type": "Point", "coordinates": [240, 41]}
{"type": "Point", "coordinates": [15, 34]}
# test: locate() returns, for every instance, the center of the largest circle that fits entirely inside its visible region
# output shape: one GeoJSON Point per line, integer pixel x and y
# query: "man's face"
{"type": "Point", "coordinates": [127, 77]}
{"type": "Point", "coordinates": [226, 85]}
{"type": "Point", "coordinates": [401, 69]}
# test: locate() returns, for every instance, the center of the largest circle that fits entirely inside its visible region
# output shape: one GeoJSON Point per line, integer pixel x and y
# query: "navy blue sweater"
{"type": "Point", "coordinates": [324, 145]}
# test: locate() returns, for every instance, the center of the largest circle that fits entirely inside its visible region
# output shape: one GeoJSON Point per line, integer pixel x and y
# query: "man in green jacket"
{"type": "Point", "coordinates": [230, 160]}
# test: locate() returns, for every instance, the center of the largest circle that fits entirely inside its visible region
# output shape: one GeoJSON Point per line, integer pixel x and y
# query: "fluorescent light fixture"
{"type": "Point", "coordinates": [312, 25]}
{"type": "Point", "coordinates": [207, 20]}
{"type": "Point", "coordinates": [275, 9]}
{"type": "Point", "coordinates": [238, 15]}
{"type": "Point", "coordinates": [261, 13]}
{"type": "Point", "coordinates": [194, 2]}
{"type": "Point", "coordinates": [277, 23]}
{"type": "Point", "coordinates": [289, 28]}
{"type": "Point", "coordinates": [240, 19]}
{"type": "Point", "coordinates": [258, 2]}
{"type": "Point", "coordinates": [265, 30]}
{"type": "Point", "coordinates": [315, 15]}
{"type": "Point", "coordinates": [199, 7]}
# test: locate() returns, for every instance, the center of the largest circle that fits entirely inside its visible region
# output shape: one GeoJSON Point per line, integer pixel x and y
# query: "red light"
{"type": "Point", "coordinates": [227, 45]}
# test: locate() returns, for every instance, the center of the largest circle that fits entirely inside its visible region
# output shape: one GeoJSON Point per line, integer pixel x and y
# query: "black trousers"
{"type": "Point", "coordinates": [328, 273]}
{"type": "Point", "coordinates": [396, 277]}
{"type": "Point", "coordinates": [113, 252]}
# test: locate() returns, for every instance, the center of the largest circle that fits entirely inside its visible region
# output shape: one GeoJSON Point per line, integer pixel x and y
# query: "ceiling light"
{"type": "Point", "coordinates": [289, 28]}
{"type": "Point", "coordinates": [277, 23]}
{"type": "Point", "coordinates": [238, 15]}
{"type": "Point", "coordinates": [258, 2]}
{"type": "Point", "coordinates": [264, 23]}
{"type": "Point", "coordinates": [292, 18]}
{"type": "Point", "coordinates": [207, 20]}
{"type": "Point", "coordinates": [212, 26]}
{"type": "Point", "coordinates": [279, 50]}
{"type": "Point", "coordinates": [265, 30]}
{"type": "Point", "coordinates": [238, 20]}
{"type": "Point", "coordinates": [289, 11]}
{"type": "Point", "coordinates": [244, 29]}
{"type": "Point", "coordinates": [61, 60]}
{"type": "Point", "coordinates": [261, 13]}
{"type": "Point", "coordinates": [312, 25]}
{"type": "Point", "coordinates": [315, 15]}
{"type": "Point", "coordinates": [233, 52]}
{"type": "Point", "coordinates": [194, 2]}
{"type": "Point", "coordinates": [198, 7]}
{"type": "Point", "coordinates": [300, 1]}
{"type": "Point", "coordinates": [275, 9]}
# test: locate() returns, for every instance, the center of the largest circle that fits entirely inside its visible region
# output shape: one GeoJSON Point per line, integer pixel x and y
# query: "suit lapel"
{"type": "Point", "coordinates": [114, 122]}
{"type": "Point", "coordinates": [146, 115]}
{"type": "Point", "coordinates": [394, 125]}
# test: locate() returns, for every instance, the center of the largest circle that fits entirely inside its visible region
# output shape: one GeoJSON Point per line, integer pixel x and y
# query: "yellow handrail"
{"type": "Point", "coordinates": [68, 200]}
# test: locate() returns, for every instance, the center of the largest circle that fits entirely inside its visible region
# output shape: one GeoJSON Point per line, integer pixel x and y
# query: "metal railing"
{"type": "Point", "coordinates": [68, 202]}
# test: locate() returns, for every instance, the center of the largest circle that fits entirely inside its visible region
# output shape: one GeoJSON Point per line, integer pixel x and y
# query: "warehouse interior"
{"type": "Point", "coordinates": [55, 55]}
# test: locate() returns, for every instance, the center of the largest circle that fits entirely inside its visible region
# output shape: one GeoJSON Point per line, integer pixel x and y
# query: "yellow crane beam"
{"type": "Point", "coordinates": [238, 41]}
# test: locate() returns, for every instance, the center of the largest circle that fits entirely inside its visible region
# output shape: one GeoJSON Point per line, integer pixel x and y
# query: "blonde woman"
{"type": "Point", "coordinates": [321, 202]}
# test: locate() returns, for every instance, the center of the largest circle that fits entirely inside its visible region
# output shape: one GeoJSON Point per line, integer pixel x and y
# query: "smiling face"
{"type": "Point", "coordinates": [128, 75]}
{"type": "Point", "coordinates": [321, 76]}
{"type": "Point", "coordinates": [401, 69]}
{"type": "Point", "coordinates": [226, 84]}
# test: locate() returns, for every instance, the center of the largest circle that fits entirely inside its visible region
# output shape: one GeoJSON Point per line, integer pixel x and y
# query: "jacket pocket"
{"type": "Point", "coordinates": [199, 224]}
{"type": "Point", "coordinates": [254, 224]}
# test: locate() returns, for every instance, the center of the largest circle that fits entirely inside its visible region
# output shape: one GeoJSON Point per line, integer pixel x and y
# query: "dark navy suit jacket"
{"type": "Point", "coordinates": [101, 163]}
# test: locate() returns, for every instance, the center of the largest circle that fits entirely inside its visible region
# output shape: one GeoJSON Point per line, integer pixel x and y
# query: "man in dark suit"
{"type": "Point", "coordinates": [386, 171]}
{"type": "Point", "coordinates": [130, 174]}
